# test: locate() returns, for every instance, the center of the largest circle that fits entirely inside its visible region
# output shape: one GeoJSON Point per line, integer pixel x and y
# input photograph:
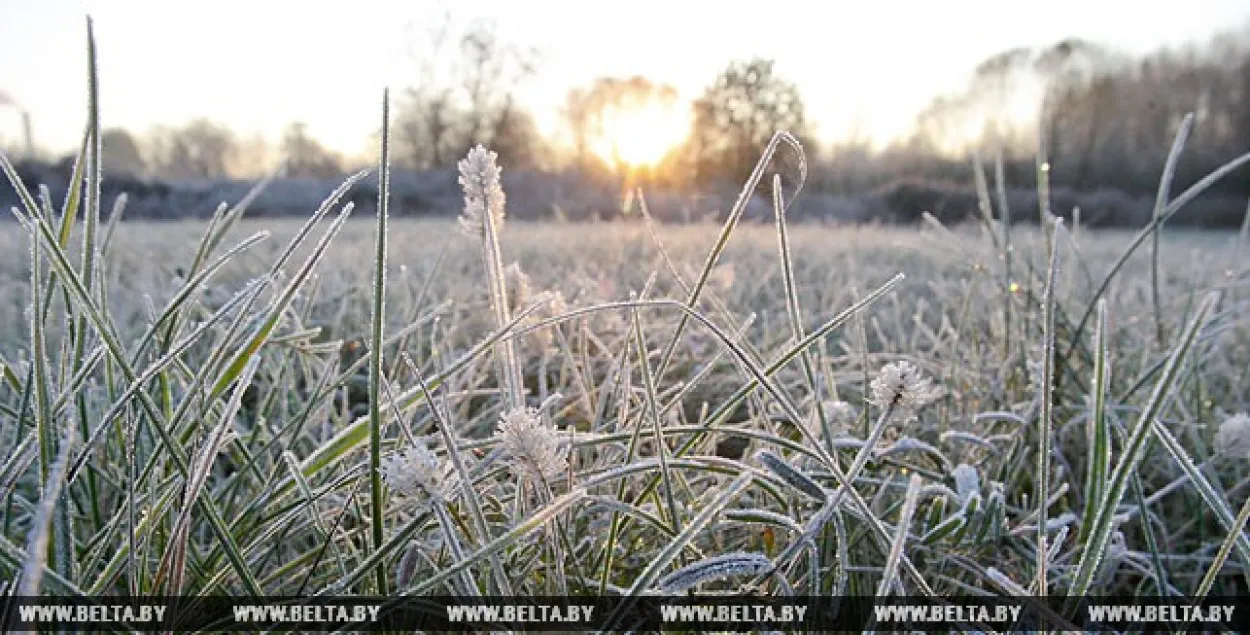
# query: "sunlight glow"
{"type": "Point", "coordinates": [642, 136]}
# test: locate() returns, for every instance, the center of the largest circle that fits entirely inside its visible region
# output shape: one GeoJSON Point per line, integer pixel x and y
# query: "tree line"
{"type": "Point", "coordinates": [1104, 121]}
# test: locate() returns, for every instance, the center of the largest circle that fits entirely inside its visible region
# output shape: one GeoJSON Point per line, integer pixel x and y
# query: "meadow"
{"type": "Point", "coordinates": [377, 406]}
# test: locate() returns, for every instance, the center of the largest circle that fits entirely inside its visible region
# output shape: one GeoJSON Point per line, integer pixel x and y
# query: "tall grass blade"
{"type": "Point", "coordinates": [1098, 435]}
{"type": "Point", "coordinates": [376, 343]}
{"type": "Point", "coordinates": [1104, 522]}
{"type": "Point", "coordinates": [1045, 423]}
{"type": "Point", "coordinates": [1161, 200]}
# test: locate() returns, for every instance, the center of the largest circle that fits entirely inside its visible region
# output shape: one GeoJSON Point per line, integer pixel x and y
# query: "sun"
{"type": "Point", "coordinates": [643, 135]}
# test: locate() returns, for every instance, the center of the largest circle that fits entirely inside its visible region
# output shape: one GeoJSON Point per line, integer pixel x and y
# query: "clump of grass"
{"type": "Point", "coordinates": [912, 455]}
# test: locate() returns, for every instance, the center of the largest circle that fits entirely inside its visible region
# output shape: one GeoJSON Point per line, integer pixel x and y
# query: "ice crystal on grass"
{"type": "Point", "coordinates": [722, 566]}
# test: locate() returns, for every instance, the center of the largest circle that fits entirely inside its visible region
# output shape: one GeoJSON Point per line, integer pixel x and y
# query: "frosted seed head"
{"type": "Point", "coordinates": [557, 305]}
{"type": "Point", "coordinates": [416, 473]}
{"type": "Point", "coordinates": [1233, 438]}
{"type": "Point", "coordinates": [518, 285]}
{"type": "Point", "coordinates": [901, 386]}
{"type": "Point", "coordinates": [533, 447]}
{"type": "Point", "coordinates": [842, 415]}
{"type": "Point", "coordinates": [1117, 548]}
{"type": "Point", "coordinates": [483, 191]}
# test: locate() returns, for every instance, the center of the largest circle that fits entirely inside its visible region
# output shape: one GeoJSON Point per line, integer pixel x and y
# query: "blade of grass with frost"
{"type": "Point", "coordinates": [1155, 223]}
{"type": "Point", "coordinates": [470, 494]}
{"type": "Point", "coordinates": [41, 525]}
{"type": "Point", "coordinates": [1045, 430]}
{"type": "Point", "coordinates": [1104, 522]}
{"type": "Point", "coordinates": [115, 216]}
{"type": "Point", "coordinates": [794, 310]}
{"type": "Point", "coordinates": [175, 558]}
{"type": "Point", "coordinates": [91, 221]}
{"type": "Point", "coordinates": [653, 413]}
{"type": "Point", "coordinates": [376, 340]}
{"type": "Point", "coordinates": [104, 329]}
{"type": "Point", "coordinates": [74, 385]}
{"type": "Point", "coordinates": [1148, 531]}
{"type": "Point", "coordinates": [1043, 187]}
{"type": "Point", "coordinates": [793, 477]}
{"type": "Point", "coordinates": [647, 519]}
{"type": "Point", "coordinates": [349, 437]}
{"type": "Point", "coordinates": [226, 220]}
{"type": "Point", "coordinates": [673, 548]}
{"type": "Point", "coordinates": [39, 365]}
{"type": "Point", "coordinates": [861, 457]}
{"type": "Point", "coordinates": [617, 522]}
{"type": "Point", "coordinates": [173, 308]}
{"type": "Point", "coordinates": [1213, 499]}
{"type": "Point", "coordinates": [270, 320]}
{"type": "Point", "coordinates": [999, 243]}
{"type": "Point", "coordinates": [1099, 432]}
{"type": "Point", "coordinates": [318, 523]}
{"type": "Point", "coordinates": [890, 575]}
{"type": "Point", "coordinates": [1161, 200]}
{"type": "Point", "coordinates": [735, 214]}
{"type": "Point", "coordinates": [1221, 556]}
{"type": "Point", "coordinates": [123, 400]}
{"type": "Point", "coordinates": [789, 409]}
{"type": "Point", "coordinates": [414, 308]}
{"type": "Point", "coordinates": [1005, 223]}
{"type": "Point", "coordinates": [714, 568]}
{"type": "Point", "coordinates": [539, 518]}
{"type": "Point", "coordinates": [726, 409]}
{"type": "Point", "coordinates": [9, 376]}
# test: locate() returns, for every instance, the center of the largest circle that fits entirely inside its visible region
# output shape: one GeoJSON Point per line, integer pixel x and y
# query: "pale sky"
{"type": "Point", "coordinates": [258, 65]}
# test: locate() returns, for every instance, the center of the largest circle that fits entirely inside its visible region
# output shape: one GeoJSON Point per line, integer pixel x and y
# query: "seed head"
{"type": "Point", "coordinates": [519, 289]}
{"type": "Point", "coordinates": [416, 473]}
{"type": "Point", "coordinates": [842, 415]}
{"type": "Point", "coordinates": [483, 193]}
{"type": "Point", "coordinates": [533, 447]}
{"type": "Point", "coordinates": [901, 386]}
{"type": "Point", "coordinates": [1233, 438]}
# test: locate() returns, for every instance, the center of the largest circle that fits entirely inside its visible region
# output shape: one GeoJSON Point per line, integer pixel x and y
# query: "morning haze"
{"type": "Point", "coordinates": [671, 95]}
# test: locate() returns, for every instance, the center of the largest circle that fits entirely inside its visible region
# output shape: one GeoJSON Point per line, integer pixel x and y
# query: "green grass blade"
{"type": "Point", "coordinates": [378, 319]}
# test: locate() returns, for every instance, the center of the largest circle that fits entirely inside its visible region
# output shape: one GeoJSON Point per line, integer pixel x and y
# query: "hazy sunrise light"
{"type": "Point", "coordinates": [624, 316]}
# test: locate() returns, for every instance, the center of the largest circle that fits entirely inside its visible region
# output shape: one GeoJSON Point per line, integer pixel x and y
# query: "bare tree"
{"type": "Point", "coordinates": [200, 149]}
{"type": "Point", "coordinates": [121, 153]}
{"type": "Point", "coordinates": [464, 94]}
{"type": "Point", "coordinates": [738, 114]}
{"type": "Point", "coordinates": [304, 156]}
